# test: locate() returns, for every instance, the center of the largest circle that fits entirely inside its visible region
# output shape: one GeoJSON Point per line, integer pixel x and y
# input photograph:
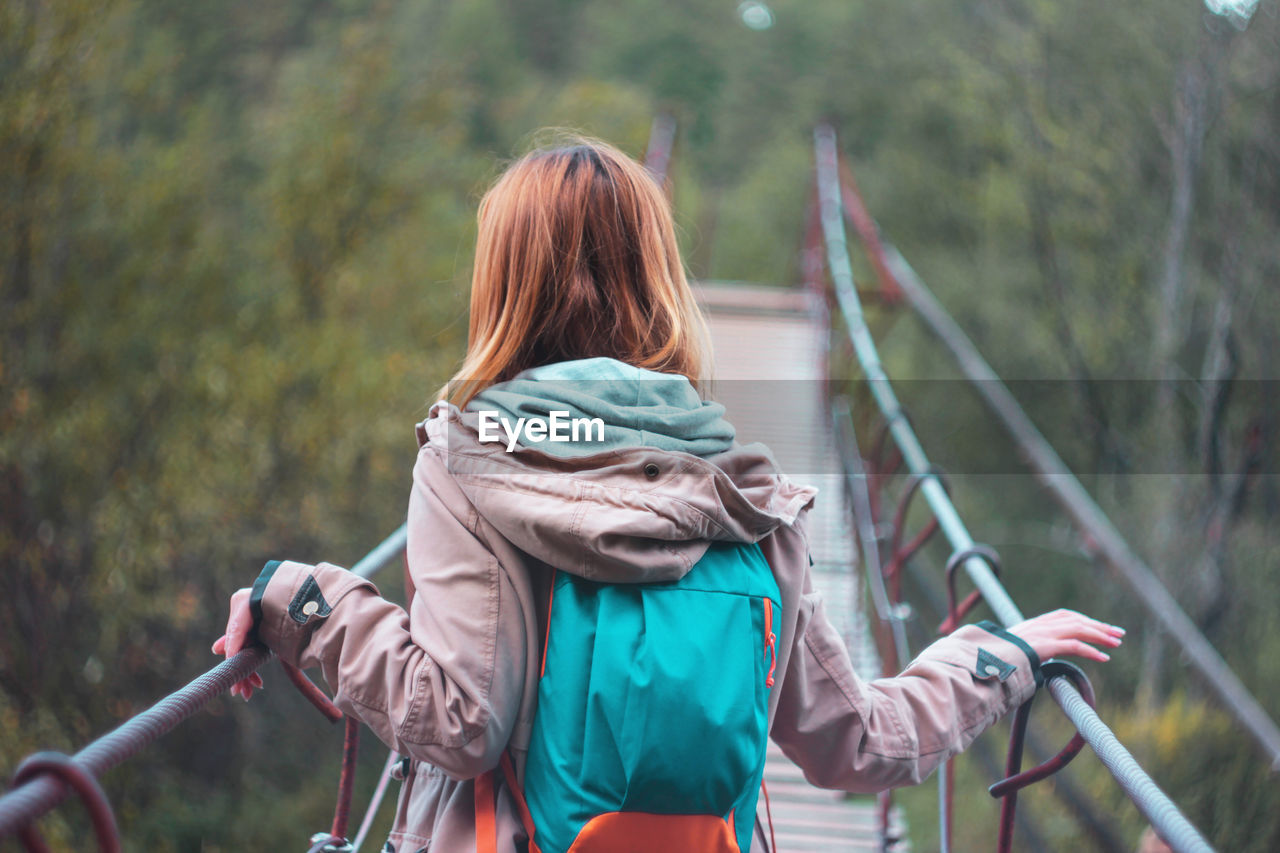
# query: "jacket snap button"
{"type": "Point", "coordinates": [651, 470]}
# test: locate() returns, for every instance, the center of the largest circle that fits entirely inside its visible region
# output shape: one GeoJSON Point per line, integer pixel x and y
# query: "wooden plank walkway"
{"type": "Point", "coordinates": [769, 346]}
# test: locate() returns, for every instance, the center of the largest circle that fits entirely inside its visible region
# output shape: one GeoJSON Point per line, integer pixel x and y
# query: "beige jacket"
{"type": "Point", "coordinates": [453, 682]}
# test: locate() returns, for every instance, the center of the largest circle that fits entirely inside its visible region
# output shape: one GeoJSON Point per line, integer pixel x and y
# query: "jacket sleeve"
{"type": "Point", "coordinates": [441, 684]}
{"type": "Point", "coordinates": [864, 737]}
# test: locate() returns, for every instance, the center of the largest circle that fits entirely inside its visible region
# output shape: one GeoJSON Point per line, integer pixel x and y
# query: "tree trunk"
{"type": "Point", "coordinates": [1193, 112]}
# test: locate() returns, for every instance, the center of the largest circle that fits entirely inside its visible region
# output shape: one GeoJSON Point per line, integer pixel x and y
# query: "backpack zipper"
{"type": "Point", "coordinates": [770, 639]}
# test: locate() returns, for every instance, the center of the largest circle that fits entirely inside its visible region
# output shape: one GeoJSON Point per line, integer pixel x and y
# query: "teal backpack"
{"type": "Point", "coordinates": [652, 714]}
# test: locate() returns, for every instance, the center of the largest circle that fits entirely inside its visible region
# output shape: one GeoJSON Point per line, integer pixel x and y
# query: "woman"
{"type": "Point", "coordinates": [580, 307]}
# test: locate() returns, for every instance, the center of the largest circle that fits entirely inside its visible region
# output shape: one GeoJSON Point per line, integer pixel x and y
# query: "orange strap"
{"type": "Point", "coordinates": [517, 793]}
{"type": "Point", "coordinates": [486, 808]}
{"type": "Point", "coordinates": [486, 818]}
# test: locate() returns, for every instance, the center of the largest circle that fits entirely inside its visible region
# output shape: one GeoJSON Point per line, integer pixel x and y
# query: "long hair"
{"type": "Point", "coordinates": [576, 257]}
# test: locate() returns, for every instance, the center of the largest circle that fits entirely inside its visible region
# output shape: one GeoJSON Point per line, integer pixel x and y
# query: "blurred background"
{"type": "Point", "coordinates": [235, 247]}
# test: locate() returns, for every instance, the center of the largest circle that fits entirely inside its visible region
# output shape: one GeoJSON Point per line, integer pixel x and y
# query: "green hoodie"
{"type": "Point", "coordinates": [639, 408]}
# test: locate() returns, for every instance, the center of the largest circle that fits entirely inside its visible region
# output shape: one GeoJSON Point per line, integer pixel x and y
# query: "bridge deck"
{"type": "Point", "coordinates": [769, 349]}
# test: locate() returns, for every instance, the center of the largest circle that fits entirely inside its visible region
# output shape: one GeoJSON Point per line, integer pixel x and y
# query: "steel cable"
{"type": "Point", "coordinates": [29, 801]}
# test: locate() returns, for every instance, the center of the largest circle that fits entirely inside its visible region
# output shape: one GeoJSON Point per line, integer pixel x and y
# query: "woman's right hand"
{"type": "Point", "coordinates": [1066, 632]}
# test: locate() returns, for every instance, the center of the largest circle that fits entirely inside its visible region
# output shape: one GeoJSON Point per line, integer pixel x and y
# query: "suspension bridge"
{"type": "Point", "coordinates": [774, 355]}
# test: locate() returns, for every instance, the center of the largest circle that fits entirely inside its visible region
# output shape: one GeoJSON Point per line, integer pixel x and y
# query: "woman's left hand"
{"type": "Point", "coordinates": [236, 638]}
{"type": "Point", "coordinates": [1066, 632]}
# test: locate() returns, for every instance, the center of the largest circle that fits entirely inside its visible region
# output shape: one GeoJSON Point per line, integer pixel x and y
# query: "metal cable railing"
{"type": "Point", "coordinates": [41, 793]}
{"type": "Point", "coordinates": [899, 282]}
{"type": "Point", "coordinates": [1105, 540]}
{"type": "Point", "coordinates": [1154, 804]}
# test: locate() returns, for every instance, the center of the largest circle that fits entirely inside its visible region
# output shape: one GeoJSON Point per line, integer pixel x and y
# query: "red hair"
{"type": "Point", "coordinates": [576, 257]}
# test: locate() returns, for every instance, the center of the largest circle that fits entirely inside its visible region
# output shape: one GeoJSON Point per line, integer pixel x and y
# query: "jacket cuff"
{"type": "Point", "coordinates": [1034, 659]}
{"type": "Point", "coordinates": [255, 598]}
{"type": "Point", "coordinates": [992, 660]}
{"type": "Point", "coordinates": [293, 600]}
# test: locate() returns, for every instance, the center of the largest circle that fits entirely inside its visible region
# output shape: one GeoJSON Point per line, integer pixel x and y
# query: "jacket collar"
{"type": "Point", "coordinates": [624, 515]}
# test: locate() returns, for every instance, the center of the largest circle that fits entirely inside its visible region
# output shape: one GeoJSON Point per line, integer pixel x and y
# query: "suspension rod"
{"type": "Point", "coordinates": [856, 485]}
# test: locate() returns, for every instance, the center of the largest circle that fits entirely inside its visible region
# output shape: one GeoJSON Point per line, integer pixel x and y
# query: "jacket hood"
{"type": "Point", "coordinates": [635, 407]}
{"type": "Point", "coordinates": [634, 511]}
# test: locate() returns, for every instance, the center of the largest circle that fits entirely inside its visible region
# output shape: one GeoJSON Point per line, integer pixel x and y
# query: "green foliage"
{"type": "Point", "coordinates": [1199, 751]}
